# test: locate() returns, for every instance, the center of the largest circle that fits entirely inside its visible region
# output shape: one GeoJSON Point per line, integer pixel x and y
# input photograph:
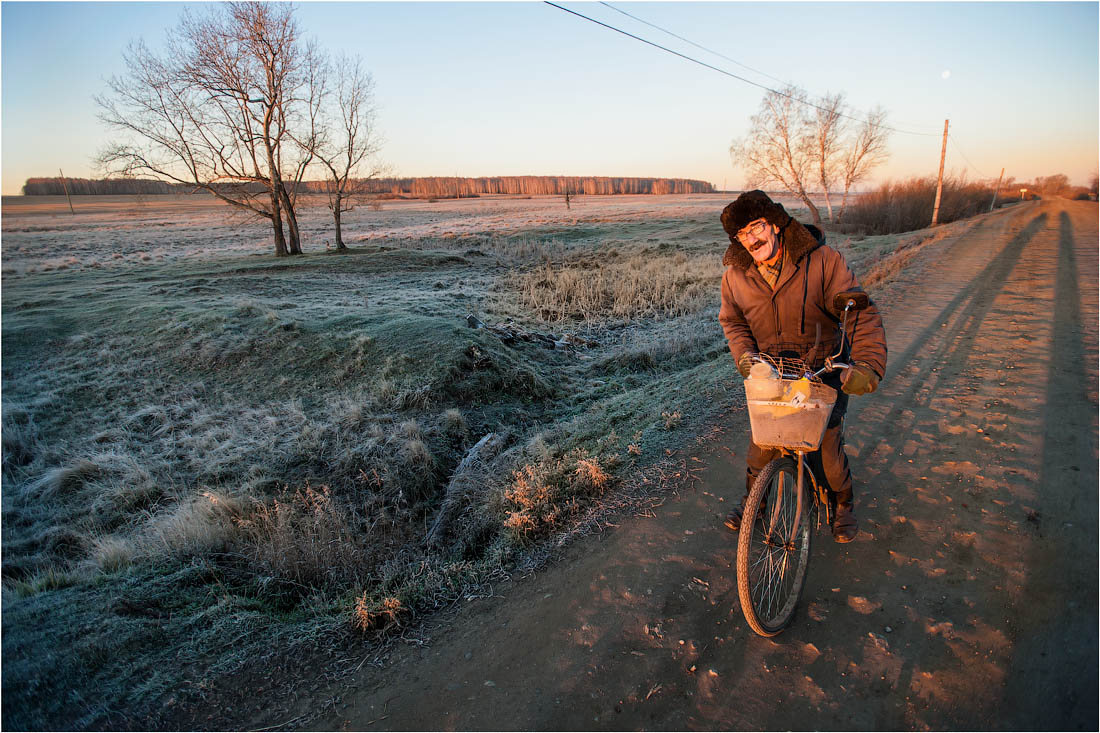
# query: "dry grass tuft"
{"type": "Point", "coordinates": [308, 538]}
{"type": "Point", "coordinates": [63, 479]}
{"type": "Point", "coordinates": [409, 429]}
{"type": "Point", "coordinates": [204, 524]}
{"type": "Point", "coordinates": [454, 424]}
{"type": "Point", "coordinates": [416, 453]}
{"type": "Point", "coordinates": [45, 579]}
{"type": "Point", "coordinates": [112, 553]}
{"type": "Point", "coordinates": [638, 287]}
{"type": "Point", "coordinates": [247, 307]}
{"type": "Point", "coordinates": [20, 438]}
{"type": "Point", "coordinates": [540, 448]}
{"type": "Point", "coordinates": [379, 615]}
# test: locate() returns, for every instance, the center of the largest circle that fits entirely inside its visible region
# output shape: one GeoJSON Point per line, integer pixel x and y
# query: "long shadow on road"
{"type": "Point", "coordinates": [1056, 663]}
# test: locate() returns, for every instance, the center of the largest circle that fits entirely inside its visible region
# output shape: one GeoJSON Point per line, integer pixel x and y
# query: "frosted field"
{"type": "Point", "coordinates": [40, 234]}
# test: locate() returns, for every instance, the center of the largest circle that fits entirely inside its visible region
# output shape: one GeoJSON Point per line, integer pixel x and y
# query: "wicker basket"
{"type": "Point", "coordinates": [795, 425]}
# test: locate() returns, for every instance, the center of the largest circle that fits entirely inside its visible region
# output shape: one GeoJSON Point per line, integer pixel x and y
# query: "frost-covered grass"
{"type": "Point", "coordinates": [212, 454]}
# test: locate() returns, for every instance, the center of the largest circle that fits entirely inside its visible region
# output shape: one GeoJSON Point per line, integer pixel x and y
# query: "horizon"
{"type": "Point", "coordinates": [576, 96]}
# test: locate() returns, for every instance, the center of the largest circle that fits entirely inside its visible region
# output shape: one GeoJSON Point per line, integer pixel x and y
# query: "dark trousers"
{"type": "Point", "coordinates": [829, 460]}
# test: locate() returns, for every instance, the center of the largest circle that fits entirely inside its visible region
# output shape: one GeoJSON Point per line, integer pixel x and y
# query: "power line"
{"type": "Point", "coordinates": [730, 74]}
{"type": "Point", "coordinates": [693, 43]}
{"type": "Point", "coordinates": [745, 66]}
{"type": "Point", "coordinates": [956, 144]}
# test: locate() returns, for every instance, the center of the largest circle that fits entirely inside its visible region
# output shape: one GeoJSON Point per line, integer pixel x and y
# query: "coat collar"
{"type": "Point", "coordinates": [798, 241]}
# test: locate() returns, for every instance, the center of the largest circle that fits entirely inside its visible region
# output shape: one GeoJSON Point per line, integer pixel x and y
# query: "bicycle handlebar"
{"type": "Point", "coordinates": [830, 364]}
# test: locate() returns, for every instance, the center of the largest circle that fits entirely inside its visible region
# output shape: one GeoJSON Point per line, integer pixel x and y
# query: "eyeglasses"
{"type": "Point", "coordinates": [751, 232]}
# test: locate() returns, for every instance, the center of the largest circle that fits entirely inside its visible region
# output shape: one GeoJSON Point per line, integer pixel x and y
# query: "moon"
{"type": "Point", "coordinates": [946, 73]}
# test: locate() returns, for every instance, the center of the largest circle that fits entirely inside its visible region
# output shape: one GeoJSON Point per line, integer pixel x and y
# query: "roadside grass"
{"type": "Point", "coordinates": [207, 462]}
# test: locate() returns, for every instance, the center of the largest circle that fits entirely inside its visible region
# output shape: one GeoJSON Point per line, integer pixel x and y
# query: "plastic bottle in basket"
{"type": "Point", "coordinates": [763, 382]}
{"type": "Point", "coordinates": [797, 392]}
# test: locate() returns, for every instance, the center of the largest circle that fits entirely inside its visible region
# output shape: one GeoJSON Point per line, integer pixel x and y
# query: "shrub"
{"type": "Point", "coordinates": [544, 492]}
{"type": "Point", "coordinates": [905, 206]}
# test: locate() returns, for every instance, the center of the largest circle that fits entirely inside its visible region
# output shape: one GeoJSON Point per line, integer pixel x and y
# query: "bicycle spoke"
{"type": "Point", "coordinates": [772, 565]}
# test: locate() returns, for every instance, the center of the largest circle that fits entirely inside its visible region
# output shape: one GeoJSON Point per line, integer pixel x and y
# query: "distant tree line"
{"type": "Point", "coordinates": [537, 185]}
{"type": "Point", "coordinates": [434, 187]}
{"type": "Point", "coordinates": [100, 187]}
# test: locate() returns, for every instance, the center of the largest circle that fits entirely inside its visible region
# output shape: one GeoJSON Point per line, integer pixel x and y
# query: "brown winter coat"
{"type": "Point", "coordinates": [797, 316]}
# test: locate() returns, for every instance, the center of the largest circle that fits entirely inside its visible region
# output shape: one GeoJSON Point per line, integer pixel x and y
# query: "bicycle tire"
{"type": "Point", "coordinates": [773, 556]}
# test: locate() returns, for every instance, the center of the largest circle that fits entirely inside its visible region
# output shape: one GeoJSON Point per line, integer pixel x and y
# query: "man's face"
{"type": "Point", "coordinates": [761, 239]}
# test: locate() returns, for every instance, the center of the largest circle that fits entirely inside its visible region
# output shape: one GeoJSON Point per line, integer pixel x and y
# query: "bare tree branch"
{"type": "Point", "coordinates": [347, 142]}
{"type": "Point", "coordinates": [778, 147]}
{"type": "Point", "coordinates": [865, 150]}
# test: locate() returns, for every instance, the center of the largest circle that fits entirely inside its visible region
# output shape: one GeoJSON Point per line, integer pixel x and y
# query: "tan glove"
{"type": "Point", "coordinates": [859, 379]}
{"type": "Point", "coordinates": [744, 364]}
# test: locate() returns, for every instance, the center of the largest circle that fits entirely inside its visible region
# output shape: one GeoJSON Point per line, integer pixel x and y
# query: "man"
{"type": "Point", "coordinates": [777, 298]}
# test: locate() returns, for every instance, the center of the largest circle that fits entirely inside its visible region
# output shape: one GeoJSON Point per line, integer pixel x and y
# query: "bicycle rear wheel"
{"type": "Point", "coordinates": [773, 553]}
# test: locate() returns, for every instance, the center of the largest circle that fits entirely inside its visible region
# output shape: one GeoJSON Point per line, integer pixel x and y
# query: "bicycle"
{"type": "Point", "coordinates": [773, 546]}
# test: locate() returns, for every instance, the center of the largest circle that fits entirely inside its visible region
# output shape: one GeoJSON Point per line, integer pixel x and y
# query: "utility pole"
{"type": "Point", "coordinates": [997, 190]}
{"type": "Point", "coordinates": [939, 185]}
{"type": "Point", "coordinates": [66, 187]}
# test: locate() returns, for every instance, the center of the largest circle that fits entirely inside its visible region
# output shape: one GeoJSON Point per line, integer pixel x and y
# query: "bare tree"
{"type": "Point", "coordinates": [214, 110]}
{"type": "Point", "coordinates": [777, 148]}
{"type": "Point", "coordinates": [347, 144]}
{"type": "Point", "coordinates": [864, 150]}
{"type": "Point", "coordinates": [1055, 185]}
{"type": "Point", "coordinates": [827, 130]}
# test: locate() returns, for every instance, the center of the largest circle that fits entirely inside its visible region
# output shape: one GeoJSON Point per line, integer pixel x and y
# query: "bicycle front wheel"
{"type": "Point", "coordinates": [773, 547]}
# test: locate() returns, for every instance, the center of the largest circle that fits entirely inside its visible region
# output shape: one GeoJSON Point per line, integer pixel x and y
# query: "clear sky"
{"type": "Point", "coordinates": [514, 88]}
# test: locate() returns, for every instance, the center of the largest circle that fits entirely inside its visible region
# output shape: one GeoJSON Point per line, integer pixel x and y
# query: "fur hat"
{"type": "Point", "coordinates": [749, 207]}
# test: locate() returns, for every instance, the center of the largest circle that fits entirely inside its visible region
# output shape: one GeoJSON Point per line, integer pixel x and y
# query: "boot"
{"type": "Point", "coordinates": [733, 519]}
{"type": "Point", "coordinates": [845, 525]}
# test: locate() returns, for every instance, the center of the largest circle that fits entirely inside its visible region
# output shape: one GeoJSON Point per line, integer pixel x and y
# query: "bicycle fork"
{"type": "Point", "coordinates": [821, 496]}
{"type": "Point", "coordinates": [798, 495]}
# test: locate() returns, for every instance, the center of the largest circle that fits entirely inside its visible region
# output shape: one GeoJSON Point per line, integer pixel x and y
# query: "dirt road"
{"type": "Point", "coordinates": [969, 599]}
